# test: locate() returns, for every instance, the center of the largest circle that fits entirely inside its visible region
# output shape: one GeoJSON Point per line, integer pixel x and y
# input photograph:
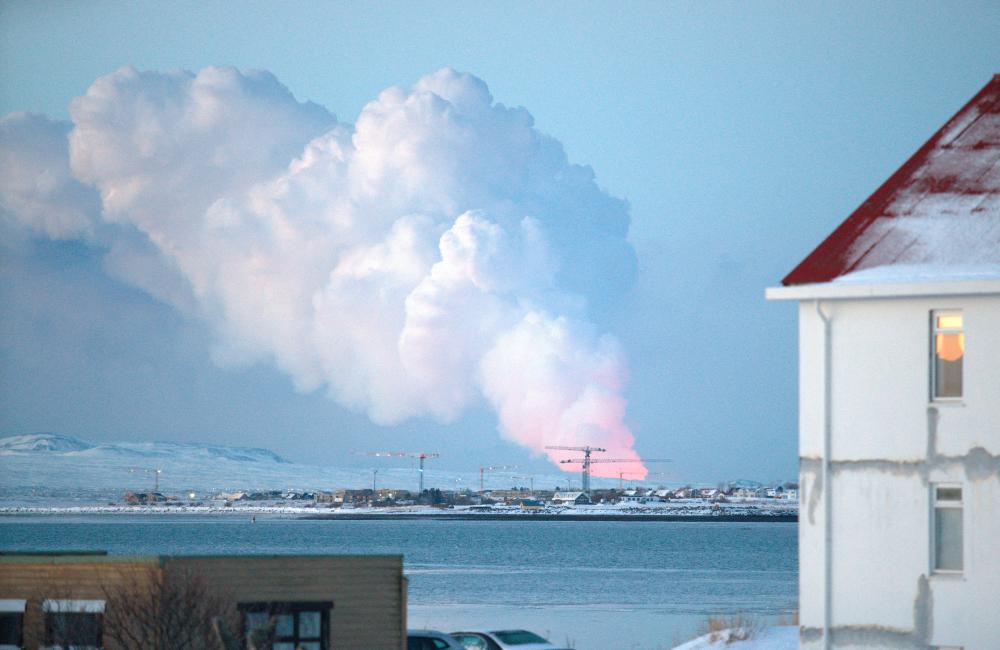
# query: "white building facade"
{"type": "Point", "coordinates": [899, 404]}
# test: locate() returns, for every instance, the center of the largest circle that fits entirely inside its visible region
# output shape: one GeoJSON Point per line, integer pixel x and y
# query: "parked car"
{"type": "Point", "coordinates": [502, 640]}
{"type": "Point", "coordinates": [430, 640]}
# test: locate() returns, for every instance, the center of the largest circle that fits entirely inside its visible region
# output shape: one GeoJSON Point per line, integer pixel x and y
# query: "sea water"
{"type": "Point", "coordinates": [592, 584]}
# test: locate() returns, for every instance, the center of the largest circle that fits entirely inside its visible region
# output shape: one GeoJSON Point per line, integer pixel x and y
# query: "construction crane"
{"type": "Point", "coordinates": [649, 475]}
{"type": "Point", "coordinates": [492, 468]}
{"type": "Point", "coordinates": [587, 461]}
{"type": "Point", "coordinates": [149, 470]}
{"type": "Point", "coordinates": [531, 482]}
{"type": "Point", "coordinates": [621, 478]}
{"type": "Point", "coordinates": [422, 455]}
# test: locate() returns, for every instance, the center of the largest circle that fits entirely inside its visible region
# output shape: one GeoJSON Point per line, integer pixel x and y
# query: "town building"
{"type": "Point", "coordinates": [570, 498]}
{"type": "Point", "coordinates": [638, 496]}
{"type": "Point", "coordinates": [90, 600]}
{"type": "Point", "coordinates": [899, 404]}
{"type": "Point", "coordinates": [144, 498]}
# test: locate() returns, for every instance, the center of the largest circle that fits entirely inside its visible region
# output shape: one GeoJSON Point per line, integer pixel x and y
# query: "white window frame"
{"type": "Point", "coordinates": [73, 606]}
{"type": "Point", "coordinates": [957, 505]}
{"type": "Point", "coordinates": [13, 606]}
{"type": "Point", "coordinates": [935, 330]}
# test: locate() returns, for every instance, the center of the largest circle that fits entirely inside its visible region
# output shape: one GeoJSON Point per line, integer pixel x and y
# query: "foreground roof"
{"type": "Point", "coordinates": [936, 218]}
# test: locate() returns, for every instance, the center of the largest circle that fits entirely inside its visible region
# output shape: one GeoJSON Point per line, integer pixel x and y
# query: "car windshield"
{"type": "Point", "coordinates": [518, 637]}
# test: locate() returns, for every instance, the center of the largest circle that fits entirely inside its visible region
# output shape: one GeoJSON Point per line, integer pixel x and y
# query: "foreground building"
{"type": "Point", "coordinates": [278, 602]}
{"type": "Point", "coordinates": [899, 393]}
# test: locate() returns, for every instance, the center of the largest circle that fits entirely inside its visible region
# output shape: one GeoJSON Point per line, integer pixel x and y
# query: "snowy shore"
{"type": "Point", "coordinates": [771, 638]}
{"type": "Point", "coordinates": [750, 509]}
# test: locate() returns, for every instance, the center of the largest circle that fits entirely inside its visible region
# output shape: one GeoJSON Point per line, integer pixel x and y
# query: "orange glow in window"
{"type": "Point", "coordinates": [950, 347]}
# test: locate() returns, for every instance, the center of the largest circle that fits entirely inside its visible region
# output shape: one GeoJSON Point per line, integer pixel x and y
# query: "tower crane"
{"type": "Point", "coordinates": [621, 479]}
{"type": "Point", "coordinates": [587, 461]}
{"type": "Point", "coordinates": [531, 483]}
{"type": "Point", "coordinates": [422, 455]}
{"type": "Point", "coordinates": [149, 470]}
{"type": "Point", "coordinates": [491, 468]}
{"type": "Point", "coordinates": [649, 475]}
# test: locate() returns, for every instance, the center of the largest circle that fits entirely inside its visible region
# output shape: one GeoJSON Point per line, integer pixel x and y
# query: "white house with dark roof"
{"type": "Point", "coordinates": [570, 498]}
{"type": "Point", "coordinates": [899, 404]}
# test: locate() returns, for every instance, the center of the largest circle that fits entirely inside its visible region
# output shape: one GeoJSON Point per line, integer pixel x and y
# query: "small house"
{"type": "Point", "coordinates": [899, 403]}
{"type": "Point", "coordinates": [570, 498]}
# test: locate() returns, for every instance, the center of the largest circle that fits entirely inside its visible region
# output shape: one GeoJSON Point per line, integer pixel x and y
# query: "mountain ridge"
{"type": "Point", "coordinates": [58, 443]}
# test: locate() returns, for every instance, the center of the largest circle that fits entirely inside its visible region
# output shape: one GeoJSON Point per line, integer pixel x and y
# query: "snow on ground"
{"type": "Point", "coordinates": [785, 637]}
{"type": "Point", "coordinates": [48, 473]}
{"type": "Point", "coordinates": [36, 468]}
{"type": "Point", "coordinates": [683, 507]}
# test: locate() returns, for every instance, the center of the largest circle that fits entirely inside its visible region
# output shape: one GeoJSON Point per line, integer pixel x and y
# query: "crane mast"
{"type": "Point", "coordinates": [587, 461]}
{"type": "Point", "coordinates": [491, 468]}
{"type": "Point", "coordinates": [421, 455]}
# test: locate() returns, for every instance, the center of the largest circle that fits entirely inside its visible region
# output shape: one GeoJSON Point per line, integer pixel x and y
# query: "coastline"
{"type": "Point", "coordinates": [562, 517]}
{"type": "Point", "coordinates": [422, 515]}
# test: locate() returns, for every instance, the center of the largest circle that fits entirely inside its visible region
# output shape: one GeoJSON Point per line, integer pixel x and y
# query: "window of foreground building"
{"type": "Point", "coordinates": [11, 624]}
{"type": "Point", "coordinates": [288, 626]}
{"type": "Point", "coordinates": [947, 353]}
{"type": "Point", "coordinates": [75, 624]}
{"type": "Point", "coordinates": [947, 529]}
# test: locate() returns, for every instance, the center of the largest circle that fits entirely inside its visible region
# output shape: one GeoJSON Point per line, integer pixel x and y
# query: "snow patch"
{"type": "Point", "coordinates": [785, 637]}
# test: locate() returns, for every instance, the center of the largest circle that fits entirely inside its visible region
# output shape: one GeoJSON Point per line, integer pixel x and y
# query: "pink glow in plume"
{"type": "Point", "coordinates": [437, 255]}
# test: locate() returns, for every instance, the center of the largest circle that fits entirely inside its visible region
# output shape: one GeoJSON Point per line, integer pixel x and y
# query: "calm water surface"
{"type": "Point", "coordinates": [629, 585]}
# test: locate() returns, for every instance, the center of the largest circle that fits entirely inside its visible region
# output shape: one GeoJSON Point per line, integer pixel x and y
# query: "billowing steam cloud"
{"type": "Point", "coordinates": [437, 254]}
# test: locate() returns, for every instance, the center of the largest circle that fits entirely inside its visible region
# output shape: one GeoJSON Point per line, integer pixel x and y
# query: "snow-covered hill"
{"type": "Point", "coordinates": [43, 467]}
{"type": "Point", "coordinates": [58, 443]}
{"type": "Point", "coordinates": [41, 442]}
{"type": "Point", "coordinates": [45, 470]}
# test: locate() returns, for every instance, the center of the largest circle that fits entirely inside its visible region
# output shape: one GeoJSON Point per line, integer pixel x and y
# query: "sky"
{"type": "Point", "coordinates": [558, 229]}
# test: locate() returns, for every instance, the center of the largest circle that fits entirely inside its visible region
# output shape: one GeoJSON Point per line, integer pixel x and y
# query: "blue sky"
{"type": "Point", "coordinates": [739, 134]}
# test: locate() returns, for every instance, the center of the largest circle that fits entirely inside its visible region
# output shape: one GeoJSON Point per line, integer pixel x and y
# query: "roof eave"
{"type": "Point", "coordinates": [861, 291]}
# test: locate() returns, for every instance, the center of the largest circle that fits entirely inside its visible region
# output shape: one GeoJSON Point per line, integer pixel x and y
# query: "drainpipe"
{"type": "Point", "coordinates": [827, 476]}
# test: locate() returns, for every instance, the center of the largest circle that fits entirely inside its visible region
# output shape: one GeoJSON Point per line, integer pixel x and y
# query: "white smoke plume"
{"type": "Point", "coordinates": [37, 189]}
{"type": "Point", "coordinates": [438, 254]}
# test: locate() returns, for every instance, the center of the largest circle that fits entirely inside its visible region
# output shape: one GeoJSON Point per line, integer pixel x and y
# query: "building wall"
{"type": "Point", "coordinates": [889, 443]}
{"type": "Point", "coordinates": [368, 592]}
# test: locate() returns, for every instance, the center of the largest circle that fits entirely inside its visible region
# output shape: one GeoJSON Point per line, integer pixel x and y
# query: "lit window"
{"type": "Point", "coordinates": [948, 345]}
{"type": "Point", "coordinates": [947, 531]}
{"type": "Point", "coordinates": [75, 624]}
{"type": "Point", "coordinates": [11, 624]}
{"type": "Point", "coordinates": [287, 626]}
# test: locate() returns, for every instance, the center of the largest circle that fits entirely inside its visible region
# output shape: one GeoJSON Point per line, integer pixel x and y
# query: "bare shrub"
{"type": "Point", "coordinates": [735, 627]}
{"type": "Point", "coordinates": [150, 607]}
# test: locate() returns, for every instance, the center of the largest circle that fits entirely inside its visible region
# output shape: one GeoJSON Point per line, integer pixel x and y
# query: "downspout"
{"type": "Point", "coordinates": [827, 476]}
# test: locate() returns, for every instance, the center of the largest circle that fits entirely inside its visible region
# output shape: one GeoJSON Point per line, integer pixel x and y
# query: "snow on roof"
{"type": "Point", "coordinates": [900, 273]}
{"type": "Point", "coordinates": [938, 215]}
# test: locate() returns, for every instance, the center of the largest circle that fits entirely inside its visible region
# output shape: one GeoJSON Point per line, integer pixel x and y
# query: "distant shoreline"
{"type": "Point", "coordinates": [559, 517]}
{"type": "Point", "coordinates": [387, 516]}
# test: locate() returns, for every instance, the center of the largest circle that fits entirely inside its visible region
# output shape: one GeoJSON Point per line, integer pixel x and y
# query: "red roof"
{"type": "Point", "coordinates": [940, 208]}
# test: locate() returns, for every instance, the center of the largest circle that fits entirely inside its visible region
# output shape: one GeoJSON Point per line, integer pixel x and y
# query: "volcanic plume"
{"type": "Point", "coordinates": [438, 254]}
